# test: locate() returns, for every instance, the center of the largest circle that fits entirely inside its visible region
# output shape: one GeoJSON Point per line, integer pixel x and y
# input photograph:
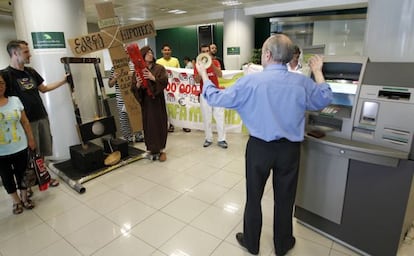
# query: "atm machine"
{"type": "Point", "coordinates": [356, 182]}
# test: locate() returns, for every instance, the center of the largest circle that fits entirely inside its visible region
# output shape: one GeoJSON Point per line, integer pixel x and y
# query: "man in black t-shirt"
{"type": "Point", "coordinates": [26, 84]}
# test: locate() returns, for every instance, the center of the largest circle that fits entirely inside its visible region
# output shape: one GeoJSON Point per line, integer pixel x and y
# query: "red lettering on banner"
{"type": "Point", "coordinates": [173, 87]}
{"type": "Point", "coordinates": [182, 88]}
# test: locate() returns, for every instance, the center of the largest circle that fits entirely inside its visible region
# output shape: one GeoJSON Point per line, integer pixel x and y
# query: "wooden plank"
{"type": "Point", "coordinates": [120, 61]}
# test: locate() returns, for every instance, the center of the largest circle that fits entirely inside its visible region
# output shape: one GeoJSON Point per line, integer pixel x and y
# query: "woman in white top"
{"type": "Point", "coordinates": [15, 137]}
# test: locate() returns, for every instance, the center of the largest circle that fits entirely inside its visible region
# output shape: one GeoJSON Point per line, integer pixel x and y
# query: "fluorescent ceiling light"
{"type": "Point", "coordinates": [136, 18]}
{"type": "Point", "coordinates": [176, 11]}
{"type": "Point", "coordinates": [231, 3]}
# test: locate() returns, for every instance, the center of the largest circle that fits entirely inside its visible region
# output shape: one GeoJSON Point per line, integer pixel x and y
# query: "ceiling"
{"type": "Point", "coordinates": [202, 11]}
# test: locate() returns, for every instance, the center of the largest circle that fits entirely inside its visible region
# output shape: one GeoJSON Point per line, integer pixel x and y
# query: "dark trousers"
{"type": "Point", "coordinates": [281, 156]}
{"type": "Point", "coordinates": [12, 167]}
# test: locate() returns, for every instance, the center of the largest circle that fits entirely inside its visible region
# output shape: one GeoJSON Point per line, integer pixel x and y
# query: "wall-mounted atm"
{"type": "Point", "coordinates": [344, 76]}
{"type": "Point", "coordinates": [356, 182]}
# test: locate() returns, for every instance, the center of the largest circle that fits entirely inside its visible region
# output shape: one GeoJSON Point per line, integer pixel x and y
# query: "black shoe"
{"type": "Point", "coordinates": [186, 129]}
{"type": "Point", "coordinates": [240, 240]}
{"type": "Point", "coordinates": [222, 144]}
{"type": "Point", "coordinates": [171, 128]}
{"type": "Point", "coordinates": [139, 138]}
{"type": "Point", "coordinates": [288, 248]}
{"type": "Point", "coordinates": [207, 143]}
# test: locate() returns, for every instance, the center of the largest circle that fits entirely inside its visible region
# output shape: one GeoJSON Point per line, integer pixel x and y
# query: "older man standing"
{"type": "Point", "coordinates": [272, 105]}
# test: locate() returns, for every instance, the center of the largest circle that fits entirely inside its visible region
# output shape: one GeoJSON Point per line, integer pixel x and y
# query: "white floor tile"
{"type": "Point", "coordinates": [108, 201]}
{"type": "Point", "coordinates": [72, 220]}
{"type": "Point", "coordinates": [130, 214]}
{"type": "Point", "coordinates": [126, 245]}
{"type": "Point", "coordinates": [201, 170]}
{"type": "Point", "coordinates": [158, 197]}
{"type": "Point", "coordinates": [202, 244]}
{"type": "Point", "coordinates": [207, 192]}
{"type": "Point", "coordinates": [234, 199]}
{"type": "Point", "coordinates": [182, 182]}
{"type": "Point", "coordinates": [61, 248]}
{"type": "Point", "coordinates": [229, 249]}
{"type": "Point", "coordinates": [53, 202]}
{"type": "Point", "coordinates": [13, 225]}
{"type": "Point", "coordinates": [185, 208]}
{"type": "Point", "coordinates": [306, 247]}
{"type": "Point", "coordinates": [30, 241]}
{"type": "Point", "coordinates": [217, 221]}
{"type": "Point", "coordinates": [225, 179]}
{"type": "Point", "coordinates": [94, 236]}
{"type": "Point", "coordinates": [135, 187]}
{"type": "Point", "coordinates": [157, 229]}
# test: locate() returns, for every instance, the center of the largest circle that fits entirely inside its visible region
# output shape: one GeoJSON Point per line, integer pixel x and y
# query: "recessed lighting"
{"type": "Point", "coordinates": [180, 12]}
{"type": "Point", "coordinates": [231, 3]}
{"type": "Point", "coordinates": [136, 18]}
{"type": "Point", "coordinates": [176, 11]}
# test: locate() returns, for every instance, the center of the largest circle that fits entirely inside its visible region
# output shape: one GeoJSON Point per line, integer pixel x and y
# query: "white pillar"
{"type": "Point", "coordinates": [389, 33]}
{"type": "Point", "coordinates": [68, 17]}
{"type": "Point", "coordinates": [238, 31]}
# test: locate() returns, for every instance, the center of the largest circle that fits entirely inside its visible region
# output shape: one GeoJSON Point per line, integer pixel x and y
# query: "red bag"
{"type": "Point", "coordinates": [43, 176]}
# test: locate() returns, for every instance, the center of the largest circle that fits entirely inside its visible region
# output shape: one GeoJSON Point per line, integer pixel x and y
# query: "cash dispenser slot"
{"type": "Point", "coordinates": [326, 121]}
{"type": "Point", "coordinates": [392, 95]}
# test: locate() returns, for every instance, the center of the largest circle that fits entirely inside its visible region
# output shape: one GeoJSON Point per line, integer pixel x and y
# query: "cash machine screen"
{"type": "Point", "coordinates": [343, 98]}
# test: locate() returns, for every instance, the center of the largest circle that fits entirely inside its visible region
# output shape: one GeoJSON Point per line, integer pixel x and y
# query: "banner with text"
{"type": "Point", "coordinates": [182, 98]}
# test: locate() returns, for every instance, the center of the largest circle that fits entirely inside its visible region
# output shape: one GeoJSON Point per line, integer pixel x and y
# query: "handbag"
{"type": "Point", "coordinates": [29, 175]}
{"type": "Point", "coordinates": [42, 175]}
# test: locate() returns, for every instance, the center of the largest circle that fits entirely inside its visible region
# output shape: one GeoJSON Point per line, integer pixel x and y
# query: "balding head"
{"type": "Point", "coordinates": [280, 47]}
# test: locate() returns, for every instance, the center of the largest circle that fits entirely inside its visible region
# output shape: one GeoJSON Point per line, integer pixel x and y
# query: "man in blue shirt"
{"type": "Point", "coordinates": [272, 105]}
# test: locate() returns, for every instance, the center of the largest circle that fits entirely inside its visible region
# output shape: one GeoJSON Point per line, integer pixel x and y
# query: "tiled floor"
{"type": "Point", "coordinates": [190, 205]}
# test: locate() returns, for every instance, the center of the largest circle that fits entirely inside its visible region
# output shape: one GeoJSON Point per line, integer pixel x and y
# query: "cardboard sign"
{"type": "Point", "coordinates": [110, 38]}
{"type": "Point", "coordinates": [113, 37]}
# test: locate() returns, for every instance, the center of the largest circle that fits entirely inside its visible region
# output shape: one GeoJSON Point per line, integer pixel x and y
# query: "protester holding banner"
{"type": "Point", "coordinates": [168, 61]}
{"type": "Point", "coordinates": [152, 100]}
{"type": "Point", "coordinates": [188, 63]}
{"type": "Point", "coordinates": [213, 50]}
{"type": "Point", "coordinates": [16, 136]}
{"type": "Point", "coordinates": [272, 105]}
{"type": "Point", "coordinates": [214, 71]}
{"type": "Point", "coordinates": [126, 130]}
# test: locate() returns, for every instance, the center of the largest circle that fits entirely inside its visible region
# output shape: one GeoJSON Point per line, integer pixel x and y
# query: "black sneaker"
{"type": "Point", "coordinates": [222, 144]}
{"type": "Point", "coordinates": [171, 128]}
{"type": "Point", "coordinates": [207, 143]}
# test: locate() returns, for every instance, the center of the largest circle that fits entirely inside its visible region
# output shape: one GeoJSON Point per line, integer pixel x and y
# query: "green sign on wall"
{"type": "Point", "coordinates": [233, 50]}
{"type": "Point", "coordinates": [48, 40]}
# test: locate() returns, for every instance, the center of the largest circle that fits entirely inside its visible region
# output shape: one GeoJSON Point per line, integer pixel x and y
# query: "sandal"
{"type": "Point", "coordinates": [53, 182]}
{"type": "Point", "coordinates": [17, 208]}
{"type": "Point", "coordinates": [28, 204]}
{"type": "Point", "coordinates": [29, 192]}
